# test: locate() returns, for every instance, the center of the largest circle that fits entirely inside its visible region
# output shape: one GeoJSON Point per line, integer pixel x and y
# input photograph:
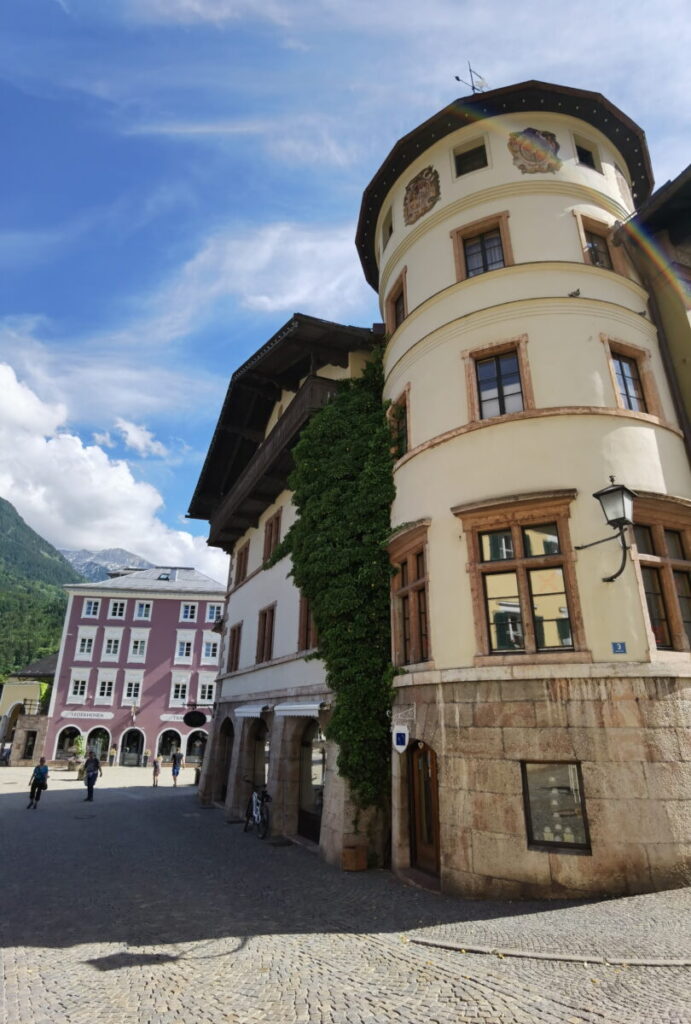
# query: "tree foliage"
{"type": "Point", "coordinates": [343, 488]}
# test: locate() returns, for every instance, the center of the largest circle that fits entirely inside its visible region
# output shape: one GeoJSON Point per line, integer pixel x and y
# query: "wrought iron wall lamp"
{"type": "Point", "coordinates": [617, 505]}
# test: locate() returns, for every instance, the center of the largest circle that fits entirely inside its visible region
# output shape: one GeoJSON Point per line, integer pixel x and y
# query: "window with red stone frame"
{"type": "Point", "coordinates": [307, 631]}
{"type": "Point", "coordinates": [241, 560]}
{"type": "Point", "coordinates": [409, 600]}
{"type": "Point", "coordinates": [272, 534]}
{"type": "Point", "coordinates": [663, 551]}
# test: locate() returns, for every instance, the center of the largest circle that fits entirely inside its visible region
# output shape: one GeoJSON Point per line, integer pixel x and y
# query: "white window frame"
{"type": "Point", "coordinates": [189, 611]}
{"type": "Point", "coordinates": [110, 636]}
{"type": "Point", "coordinates": [80, 680]}
{"type": "Point", "coordinates": [86, 635]}
{"type": "Point", "coordinates": [180, 682]}
{"type": "Point", "coordinates": [133, 681]}
{"type": "Point", "coordinates": [211, 614]}
{"type": "Point", "coordinates": [91, 607]}
{"type": "Point", "coordinates": [105, 680]}
{"type": "Point", "coordinates": [184, 636]}
{"type": "Point", "coordinates": [138, 636]}
{"type": "Point", "coordinates": [117, 609]}
{"type": "Point", "coordinates": [210, 638]}
{"type": "Point", "coordinates": [146, 615]}
{"type": "Point", "coordinates": [206, 680]}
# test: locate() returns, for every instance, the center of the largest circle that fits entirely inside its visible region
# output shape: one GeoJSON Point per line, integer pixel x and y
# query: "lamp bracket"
{"type": "Point", "coordinates": [582, 547]}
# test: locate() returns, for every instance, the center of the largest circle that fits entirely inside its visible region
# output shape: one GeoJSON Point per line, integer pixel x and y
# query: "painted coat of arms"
{"type": "Point", "coordinates": [421, 193]}
{"type": "Point", "coordinates": [534, 152]}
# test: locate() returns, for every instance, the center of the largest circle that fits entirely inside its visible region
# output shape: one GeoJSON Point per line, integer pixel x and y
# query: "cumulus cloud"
{"type": "Point", "coordinates": [139, 439]}
{"type": "Point", "coordinates": [75, 495]}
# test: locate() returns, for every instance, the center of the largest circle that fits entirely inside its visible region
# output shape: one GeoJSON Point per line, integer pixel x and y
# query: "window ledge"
{"type": "Point", "coordinates": [534, 658]}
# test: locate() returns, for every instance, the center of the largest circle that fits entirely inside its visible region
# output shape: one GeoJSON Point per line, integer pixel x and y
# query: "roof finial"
{"type": "Point", "coordinates": [477, 83]}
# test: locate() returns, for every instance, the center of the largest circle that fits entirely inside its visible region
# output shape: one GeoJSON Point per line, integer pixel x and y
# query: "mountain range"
{"type": "Point", "coordinates": [95, 565]}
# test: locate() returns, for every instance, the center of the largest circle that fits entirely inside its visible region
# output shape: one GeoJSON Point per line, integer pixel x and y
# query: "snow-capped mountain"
{"type": "Point", "coordinates": [95, 565]}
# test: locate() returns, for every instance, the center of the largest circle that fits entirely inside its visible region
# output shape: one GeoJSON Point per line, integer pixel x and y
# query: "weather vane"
{"type": "Point", "coordinates": [476, 83]}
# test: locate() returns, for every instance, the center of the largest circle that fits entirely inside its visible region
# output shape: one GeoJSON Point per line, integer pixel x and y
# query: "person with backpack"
{"type": "Point", "coordinates": [92, 770]}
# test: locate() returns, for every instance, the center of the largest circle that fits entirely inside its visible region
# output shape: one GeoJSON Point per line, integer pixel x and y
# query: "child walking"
{"type": "Point", "coordinates": [157, 769]}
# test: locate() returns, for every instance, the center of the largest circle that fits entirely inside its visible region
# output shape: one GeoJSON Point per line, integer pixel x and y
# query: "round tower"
{"type": "Point", "coordinates": [542, 706]}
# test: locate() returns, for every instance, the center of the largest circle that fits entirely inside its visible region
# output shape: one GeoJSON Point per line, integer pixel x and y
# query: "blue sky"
{"type": "Point", "coordinates": [180, 176]}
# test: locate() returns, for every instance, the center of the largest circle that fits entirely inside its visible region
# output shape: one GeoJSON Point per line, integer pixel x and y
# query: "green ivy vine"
{"type": "Point", "coordinates": [343, 487]}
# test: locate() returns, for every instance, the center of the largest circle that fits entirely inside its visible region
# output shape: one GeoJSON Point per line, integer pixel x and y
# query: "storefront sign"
{"type": "Point", "coordinates": [401, 736]}
{"type": "Point", "coordinates": [172, 718]}
{"type": "Point", "coordinates": [86, 714]}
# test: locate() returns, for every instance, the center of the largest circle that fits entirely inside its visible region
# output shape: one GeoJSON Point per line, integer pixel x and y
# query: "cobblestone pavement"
{"type": "Point", "coordinates": [146, 908]}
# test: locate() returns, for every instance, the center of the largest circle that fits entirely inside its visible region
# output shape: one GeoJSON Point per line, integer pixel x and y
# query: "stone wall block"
{"type": "Point", "coordinates": [525, 689]}
{"type": "Point", "coordinates": [456, 845]}
{"type": "Point", "coordinates": [473, 742]}
{"type": "Point", "coordinates": [537, 744]}
{"type": "Point", "coordinates": [622, 714]}
{"type": "Point", "coordinates": [470, 885]}
{"type": "Point", "coordinates": [457, 715]}
{"type": "Point", "coordinates": [620, 868]}
{"type": "Point", "coordinates": [458, 772]}
{"type": "Point", "coordinates": [670, 865]}
{"type": "Point", "coordinates": [513, 712]}
{"type": "Point", "coordinates": [502, 856]}
{"type": "Point", "coordinates": [667, 781]}
{"type": "Point", "coordinates": [587, 714]}
{"type": "Point", "coordinates": [498, 777]}
{"type": "Point", "coordinates": [673, 711]}
{"type": "Point", "coordinates": [661, 745]}
{"type": "Point", "coordinates": [679, 817]}
{"type": "Point", "coordinates": [684, 742]}
{"type": "Point", "coordinates": [551, 714]}
{"type": "Point", "coordinates": [630, 821]}
{"type": "Point", "coordinates": [608, 745]}
{"type": "Point", "coordinates": [614, 780]}
{"type": "Point", "coordinates": [496, 812]}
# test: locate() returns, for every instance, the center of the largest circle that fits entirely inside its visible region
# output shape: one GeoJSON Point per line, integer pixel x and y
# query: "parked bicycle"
{"type": "Point", "coordinates": [257, 814]}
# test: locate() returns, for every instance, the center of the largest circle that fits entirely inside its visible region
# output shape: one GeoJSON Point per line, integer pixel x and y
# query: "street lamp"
{"type": "Point", "coordinates": [617, 506]}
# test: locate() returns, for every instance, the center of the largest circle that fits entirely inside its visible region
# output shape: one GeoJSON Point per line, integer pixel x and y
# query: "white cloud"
{"type": "Point", "coordinates": [104, 440]}
{"type": "Point", "coordinates": [139, 439]}
{"type": "Point", "coordinates": [76, 496]}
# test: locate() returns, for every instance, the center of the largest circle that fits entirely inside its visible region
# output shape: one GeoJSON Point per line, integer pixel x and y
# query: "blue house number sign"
{"type": "Point", "coordinates": [618, 647]}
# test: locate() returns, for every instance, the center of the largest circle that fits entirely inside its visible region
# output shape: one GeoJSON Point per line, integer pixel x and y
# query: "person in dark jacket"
{"type": "Point", "coordinates": [92, 770]}
{"type": "Point", "coordinates": [37, 783]}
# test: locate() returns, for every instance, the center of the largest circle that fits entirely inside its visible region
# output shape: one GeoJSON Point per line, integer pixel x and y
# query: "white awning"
{"type": "Point", "coordinates": [251, 710]}
{"type": "Point", "coordinates": [306, 710]}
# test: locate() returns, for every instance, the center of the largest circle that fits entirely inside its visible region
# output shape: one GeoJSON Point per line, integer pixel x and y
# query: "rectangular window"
{"type": "Point", "coordinates": [139, 648]}
{"type": "Point", "coordinates": [143, 610]}
{"type": "Point", "coordinates": [468, 160]}
{"type": "Point", "coordinates": [598, 250]}
{"type": "Point", "coordinates": [522, 578]}
{"type": "Point", "coordinates": [105, 689]}
{"type": "Point", "coordinates": [387, 229]}
{"type": "Point", "coordinates": [188, 613]}
{"type": "Point", "coordinates": [409, 596]}
{"type": "Point", "coordinates": [396, 306]}
{"type": "Point", "coordinates": [91, 608]}
{"type": "Point", "coordinates": [272, 534]}
{"type": "Point", "coordinates": [587, 154]}
{"type": "Point", "coordinates": [210, 648]}
{"type": "Point", "coordinates": [398, 424]}
{"type": "Point", "coordinates": [117, 610]}
{"type": "Point", "coordinates": [206, 693]}
{"type": "Point", "coordinates": [234, 637]}
{"type": "Point", "coordinates": [179, 694]}
{"type": "Point", "coordinates": [499, 385]}
{"type": "Point", "coordinates": [265, 634]}
{"type": "Point", "coordinates": [112, 646]}
{"type": "Point", "coordinates": [483, 253]}
{"type": "Point", "coordinates": [132, 691]}
{"type": "Point", "coordinates": [86, 645]}
{"type": "Point", "coordinates": [184, 649]}
{"type": "Point", "coordinates": [307, 631]}
{"type": "Point", "coordinates": [663, 547]}
{"type": "Point", "coordinates": [554, 805]}
{"type": "Point", "coordinates": [214, 612]}
{"type": "Point", "coordinates": [241, 560]}
{"type": "Point", "coordinates": [78, 688]}
{"type": "Point", "coordinates": [628, 383]}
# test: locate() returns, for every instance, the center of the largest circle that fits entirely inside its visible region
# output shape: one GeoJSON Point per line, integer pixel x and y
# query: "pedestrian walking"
{"type": "Point", "coordinates": [92, 770]}
{"type": "Point", "coordinates": [147, 755]}
{"type": "Point", "coordinates": [113, 753]}
{"type": "Point", "coordinates": [157, 769]}
{"type": "Point", "coordinates": [177, 764]}
{"type": "Point", "coordinates": [37, 783]}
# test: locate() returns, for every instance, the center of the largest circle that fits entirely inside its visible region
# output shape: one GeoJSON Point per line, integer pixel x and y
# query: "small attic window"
{"type": "Point", "coordinates": [587, 154]}
{"type": "Point", "coordinates": [387, 228]}
{"type": "Point", "coordinates": [472, 157]}
{"type": "Point", "coordinates": [164, 576]}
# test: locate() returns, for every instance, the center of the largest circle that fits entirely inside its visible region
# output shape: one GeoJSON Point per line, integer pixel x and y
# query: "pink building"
{"type": "Point", "coordinates": [137, 651]}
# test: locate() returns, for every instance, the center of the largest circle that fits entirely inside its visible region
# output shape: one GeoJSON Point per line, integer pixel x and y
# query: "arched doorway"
{"type": "Point", "coordinates": [424, 808]}
{"type": "Point", "coordinates": [66, 740]}
{"type": "Point", "coordinates": [224, 754]}
{"type": "Point", "coordinates": [259, 751]}
{"type": "Point", "coordinates": [12, 718]}
{"type": "Point", "coordinates": [311, 790]}
{"type": "Point", "coordinates": [196, 745]}
{"type": "Point", "coordinates": [98, 740]}
{"type": "Point", "coordinates": [168, 743]}
{"type": "Point", "coordinates": [132, 748]}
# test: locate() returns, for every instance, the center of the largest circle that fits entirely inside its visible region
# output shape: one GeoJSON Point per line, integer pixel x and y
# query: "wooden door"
{"type": "Point", "coordinates": [424, 808]}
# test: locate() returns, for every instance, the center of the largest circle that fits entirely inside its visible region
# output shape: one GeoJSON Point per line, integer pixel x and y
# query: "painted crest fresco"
{"type": "Point", "coordinates": [534, 152]}
{"type": "Point", "coordinates": [421, 193]}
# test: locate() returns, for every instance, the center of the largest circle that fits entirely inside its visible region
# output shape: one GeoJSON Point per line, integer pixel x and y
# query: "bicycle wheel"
{"type": "Point", "coordinates": [249, 816]}
{"type": "Point", "coordinates": [263, 826]}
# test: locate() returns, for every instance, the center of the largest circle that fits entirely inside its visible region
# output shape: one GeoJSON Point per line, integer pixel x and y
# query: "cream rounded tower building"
{"type": "Point", "coordinates": [539, 713]}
